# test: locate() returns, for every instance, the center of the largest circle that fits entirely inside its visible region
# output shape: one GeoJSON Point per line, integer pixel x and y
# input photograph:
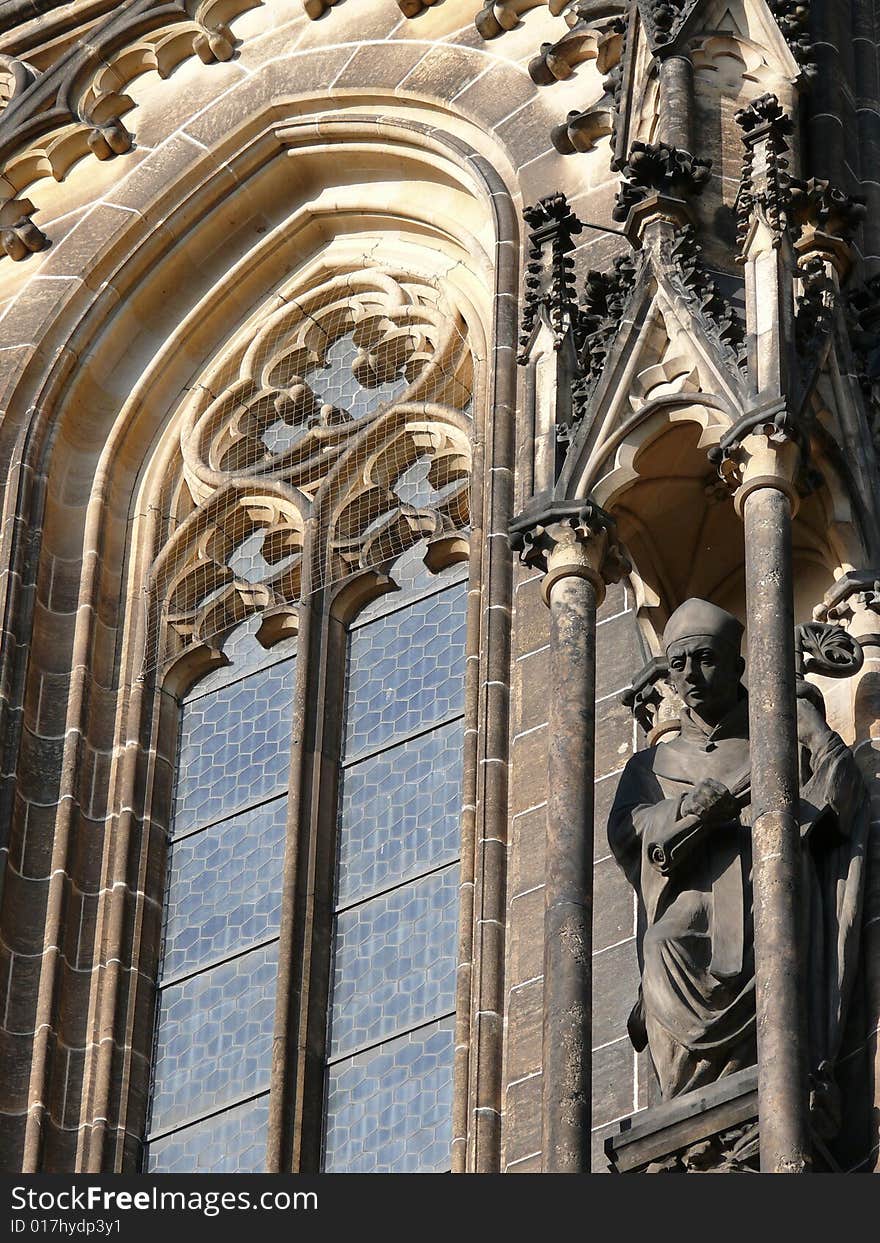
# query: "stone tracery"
{"type": "Point", "coordinates": [346, 402]}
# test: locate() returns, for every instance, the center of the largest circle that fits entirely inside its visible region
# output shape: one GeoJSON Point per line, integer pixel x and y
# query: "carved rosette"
{"type": "Point", "coordinates": [571, 539]}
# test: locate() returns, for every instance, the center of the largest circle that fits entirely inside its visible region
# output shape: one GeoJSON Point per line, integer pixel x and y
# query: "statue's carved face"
{"type": "Point", "coordinates": [706, 674]}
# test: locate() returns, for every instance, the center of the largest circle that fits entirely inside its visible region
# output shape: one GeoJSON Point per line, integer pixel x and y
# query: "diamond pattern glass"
{"type": "Point", "coordinates": [413, 579]}
{"type": "Point", "coordinates": [405, 671]}
{"type": "Point", "coordinates": [224, 888]}
{"type": "Point", "coordinates": [245, 655]}
{"type": "Point", "coordinates": [399, 813]}
{"type": "Point", "coordinates": [392, 970]}
{"type": "Point", "coordinates": [223, 897]}
{"type": "Point", "coordinates": [389, 1075]}
{"type": "Point", "coordinates": [234, 747]}
{"type": "Point", "coordinates": [233, 1142]}
{"type": "Point", "coordinates": [215, 1038]}
{"type": "Point", "coordinates": [390, 1109]}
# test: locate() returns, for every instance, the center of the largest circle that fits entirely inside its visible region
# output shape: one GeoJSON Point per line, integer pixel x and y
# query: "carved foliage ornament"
{"type": "Point", "coordinates": [660, 168]}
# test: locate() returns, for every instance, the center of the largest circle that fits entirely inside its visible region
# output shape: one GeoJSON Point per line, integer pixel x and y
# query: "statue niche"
{"type": "Point", "coordinates": [679, 829]}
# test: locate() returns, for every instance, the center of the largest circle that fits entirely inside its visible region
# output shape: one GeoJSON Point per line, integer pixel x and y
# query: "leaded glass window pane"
{"type": "Point", "coordinates": [389, 1108]}
{"type": "Point", "coordinates": [389, 1073]}
{"type": "Point", "coordinates": [233, 1142]}
{"type": "Point", "coordinates": [217, 977]}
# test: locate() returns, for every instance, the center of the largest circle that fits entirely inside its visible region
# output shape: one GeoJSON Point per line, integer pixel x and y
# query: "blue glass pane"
{"type": "Point", "coordinates": [234, 747]}
{"type": "Point", "coordinates": [412, 578]}
{"type": "Point", "coordinates": [389, 1110]}
{"type": "Point", "coordinates": [400, 813]}
{"type": "Point", "coordinates": [405, 671]}
{"type": "Point", "coordinates": [224, 888]}
{"type": "Point", "coordinates": [233, 1142]}
{"type": "Point", "coordinates": [245, 654]}
{"type": "Point", "coordinates": [395, 962]}
{"type": "Point", "coordinates": [337, 385]}
{"type": "Point", "coordinates": [214, 1041]}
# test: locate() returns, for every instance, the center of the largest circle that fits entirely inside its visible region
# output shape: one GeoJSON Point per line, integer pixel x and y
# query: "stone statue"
{"type": "Point", "coordinates": [679, 829]}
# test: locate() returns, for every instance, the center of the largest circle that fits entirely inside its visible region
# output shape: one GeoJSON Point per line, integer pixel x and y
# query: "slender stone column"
{"type": "Point", "coordinates": [677, 101]}
{"type": "Point", "coordinates": [767, 460]}
{"type": "Point", "coordinates": [574, 544]}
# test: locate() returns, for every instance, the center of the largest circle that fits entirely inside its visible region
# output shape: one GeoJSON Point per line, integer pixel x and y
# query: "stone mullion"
{"type": "Point", "coordinates": [282, 1087]}
{"type": "Point", "coordinates": [297, 1105]}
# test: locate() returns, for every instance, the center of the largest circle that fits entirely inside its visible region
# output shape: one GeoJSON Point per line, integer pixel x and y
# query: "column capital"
{"type": "Point", "coordinates": [653, 701]}
{"type": "Point", "coordinates": [570, 539]}
{"type": "Point", "coordinates": [854, 602]}
{"type": "Point", "coordinates": [766, 448]}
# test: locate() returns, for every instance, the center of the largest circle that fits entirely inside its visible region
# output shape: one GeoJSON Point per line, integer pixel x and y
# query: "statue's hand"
{"type": "Point", "coordinates": [711, 801]}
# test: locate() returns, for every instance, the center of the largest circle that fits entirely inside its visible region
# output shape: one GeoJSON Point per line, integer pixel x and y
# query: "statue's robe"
{"type": "Point", "coordinates": [696, 1009]}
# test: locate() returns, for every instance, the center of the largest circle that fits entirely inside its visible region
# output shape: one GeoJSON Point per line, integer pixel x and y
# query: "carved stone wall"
{"type": "Point", "coordinates": [204, 207]}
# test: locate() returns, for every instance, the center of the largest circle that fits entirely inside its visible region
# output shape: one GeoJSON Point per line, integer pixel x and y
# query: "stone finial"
{"type": "Point", "coordinates": [566, 539]}
{"type": "Point", "coordinates": [765, 448]}
{"type": "Point", "coordinates": [765, 180]}
{"type": "Point", "coordinates": [550, 270]}
{"type": "Point", "coordinates": [658, 168]}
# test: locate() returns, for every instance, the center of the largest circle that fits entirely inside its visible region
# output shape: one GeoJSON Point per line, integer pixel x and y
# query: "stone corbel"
{"type": "Point", "coordinates": [496, 16]}
{"type": "Point", "coordinates": [109, 139]}
{"type": "Point", "coordinates": [584, 41]}
{"type": "Point", "coordinates": [19, 236]}
{"type": "Point", "coordinates": [581, 131]}
{"type": "Point", "coordinates": [317, 8]}
{"type": "Point", "coordinates": [412, 8]}
{"type": "Point", "coordinates": [854, 603]}
{"type": "Point", "coordinates": [214, 45]}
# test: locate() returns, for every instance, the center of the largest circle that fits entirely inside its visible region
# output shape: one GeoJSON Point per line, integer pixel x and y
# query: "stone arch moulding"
{"type": "Point", "coordinates": [124, 347]}
{"type": "Point", "coordinates": [653, 473]}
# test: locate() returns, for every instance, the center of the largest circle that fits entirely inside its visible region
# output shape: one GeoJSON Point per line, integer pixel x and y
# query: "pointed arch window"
{"type": "Point", "coordinates": [341, 450]}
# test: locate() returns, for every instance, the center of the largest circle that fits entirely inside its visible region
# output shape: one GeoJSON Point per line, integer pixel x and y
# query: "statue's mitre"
{"type": "Point", "coordinates": [700, 618]}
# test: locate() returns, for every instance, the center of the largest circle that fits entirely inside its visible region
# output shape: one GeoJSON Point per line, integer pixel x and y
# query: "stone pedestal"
{"type": "Point", "coordinates": [712, 1130]}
